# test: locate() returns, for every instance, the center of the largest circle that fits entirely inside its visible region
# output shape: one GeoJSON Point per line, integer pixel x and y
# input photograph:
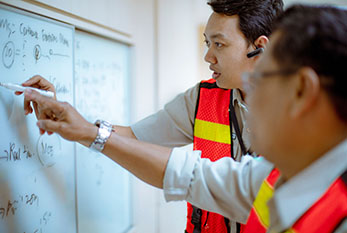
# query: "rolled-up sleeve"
{"type": "Point", "coordinates": [224, 186]}
{"type": "Point", "coordinates": [173, 125]}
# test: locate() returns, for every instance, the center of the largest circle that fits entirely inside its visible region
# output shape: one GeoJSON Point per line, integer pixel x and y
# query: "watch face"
{"type": "Point", "coordinates": [104, 133]}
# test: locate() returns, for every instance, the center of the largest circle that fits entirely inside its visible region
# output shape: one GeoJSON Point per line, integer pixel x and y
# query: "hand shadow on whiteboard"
{"type": "Point", "coordinates": [11, 107]}
{"type": "Point", "coordinates": [6, 103]}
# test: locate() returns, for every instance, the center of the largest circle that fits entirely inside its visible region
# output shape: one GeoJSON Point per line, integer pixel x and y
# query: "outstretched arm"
{"type": "Point", "coordinates": [146, 161]}
{"type": "Point", "coordinates": [225, 186]}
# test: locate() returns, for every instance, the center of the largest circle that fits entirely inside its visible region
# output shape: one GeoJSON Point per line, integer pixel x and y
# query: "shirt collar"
{"type": "Point", "coordinates": [292, 199]}
{"type": "Point", "coordinates": [238, 99]}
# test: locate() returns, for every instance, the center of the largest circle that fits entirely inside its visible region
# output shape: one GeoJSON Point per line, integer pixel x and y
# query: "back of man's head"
{"type": "Point", "coordinates": [256, 16]}
{"type": "Point", "coordinates": [316, 37]}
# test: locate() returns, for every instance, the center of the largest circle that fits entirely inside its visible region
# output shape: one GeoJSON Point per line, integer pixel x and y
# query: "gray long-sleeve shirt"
{"type": "Point", "coordinates": [173, 126]}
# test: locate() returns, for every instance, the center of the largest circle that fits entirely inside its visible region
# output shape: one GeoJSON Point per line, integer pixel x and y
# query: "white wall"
{"type": "Point", "coordinates": [177, 50]}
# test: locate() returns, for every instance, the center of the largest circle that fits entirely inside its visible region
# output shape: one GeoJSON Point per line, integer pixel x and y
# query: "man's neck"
{"type": "Point", "coordinates": [313, 149]}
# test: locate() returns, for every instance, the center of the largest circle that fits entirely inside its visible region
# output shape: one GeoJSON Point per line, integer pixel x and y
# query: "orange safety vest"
{"type": "Point", "coordinates": [324, 216]}
{"type": "Point", "coordinates": [213, 136]}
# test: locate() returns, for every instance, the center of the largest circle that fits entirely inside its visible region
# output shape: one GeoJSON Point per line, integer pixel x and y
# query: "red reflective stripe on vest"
{"type": "Point", "coordinates": [254, 224]}
{"type": "Point", "coordinates": [213, 107]}
{"type": "Point", "coordinates": [215, 149]}
{"type": "Point", "coordinates": [273, 177]}
{"type": "Point", "coordinates": [325, 215]}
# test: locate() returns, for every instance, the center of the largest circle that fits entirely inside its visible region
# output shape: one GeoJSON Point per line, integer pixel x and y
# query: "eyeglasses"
{"type": "Point", "coordinates": [248, 78]}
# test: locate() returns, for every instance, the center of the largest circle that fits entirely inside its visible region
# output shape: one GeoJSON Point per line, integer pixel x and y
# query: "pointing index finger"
{"type": "Point", "coordinates": [45, 103]}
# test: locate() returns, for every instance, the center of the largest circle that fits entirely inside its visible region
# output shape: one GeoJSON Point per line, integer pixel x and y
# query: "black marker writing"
{"type": "Point", "coordinates": [15, 154]}
{"type": "Point", "coordinates": [63, 40]}
{"type": "Point", "coordinates": [8, 54]}
{"type": "Point", "coordinates": [27, 30]}
{"type": "Point", "coordinates": [48, 37]}
{"type": "Point", "coordinates": [9, 209]}
{"type": "Point", "coordinates": [47, 149]}
{"type": "Point", "coordinates": [7, 26]}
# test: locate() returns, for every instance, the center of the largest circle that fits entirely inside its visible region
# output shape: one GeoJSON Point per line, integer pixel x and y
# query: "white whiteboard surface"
{"type": "Point", "coordinates": [37, 174]}
{"type": "Point", "coordinates": [103, 187]}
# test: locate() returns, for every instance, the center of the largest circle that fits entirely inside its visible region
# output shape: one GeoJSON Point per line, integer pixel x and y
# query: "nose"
{"type": "Point", "coordinates": [210, 57]}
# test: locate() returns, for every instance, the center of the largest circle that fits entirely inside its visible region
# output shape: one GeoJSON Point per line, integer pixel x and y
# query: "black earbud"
{"type": "Point", "coordinates": [255, 52]}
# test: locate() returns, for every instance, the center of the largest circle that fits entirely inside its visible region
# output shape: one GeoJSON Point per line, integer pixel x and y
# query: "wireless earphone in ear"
{"type": "Point", "coordinates": [255, 52]}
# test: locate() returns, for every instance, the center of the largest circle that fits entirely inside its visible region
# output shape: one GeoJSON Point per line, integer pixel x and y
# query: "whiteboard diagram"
{"type": "Point", "coordinates": [37, 173]}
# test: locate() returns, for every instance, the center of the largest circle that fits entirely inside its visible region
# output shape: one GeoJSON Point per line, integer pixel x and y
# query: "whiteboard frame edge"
{"type": "Point", "coordinates": [79, 23]}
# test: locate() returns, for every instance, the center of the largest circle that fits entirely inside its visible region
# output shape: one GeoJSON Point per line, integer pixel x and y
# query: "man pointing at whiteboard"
{"type": "Point", "coordinates": [210, 114]}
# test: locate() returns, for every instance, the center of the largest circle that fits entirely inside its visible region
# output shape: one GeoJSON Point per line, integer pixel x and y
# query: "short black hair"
{"type": "Point", "coordinates": [256, 16]}
{"type": "Point", "coordinates": [316, 36]}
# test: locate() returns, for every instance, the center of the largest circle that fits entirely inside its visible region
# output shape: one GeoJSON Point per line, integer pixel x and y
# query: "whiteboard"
{"type": "Point", "coordinates": [37, 173]}
{"type": "Point", "coordinates": [102, 80]}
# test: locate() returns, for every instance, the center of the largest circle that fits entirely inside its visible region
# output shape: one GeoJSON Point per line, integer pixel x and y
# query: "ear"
{"type": "Point", "coordinates": [306, 88]}
{"type": "Point", "coordinates": [261, 41]}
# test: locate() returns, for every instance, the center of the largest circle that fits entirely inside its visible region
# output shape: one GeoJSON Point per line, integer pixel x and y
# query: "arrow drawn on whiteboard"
{"type": "Point", "coordinates": [51, 52]}
{"type": "Point", "coordinates": [38, 54]}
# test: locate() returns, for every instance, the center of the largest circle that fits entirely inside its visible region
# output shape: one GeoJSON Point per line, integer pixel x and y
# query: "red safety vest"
{"type": "Point", "coordinates": [324, 216]}
{"type": "Point", "coordinates": [212, 135]}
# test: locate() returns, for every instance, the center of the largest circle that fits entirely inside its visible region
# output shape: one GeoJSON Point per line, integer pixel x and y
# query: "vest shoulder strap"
{"type": "Point", "coordinates": [236, 124]}
{"type": "Point", "coordinates": [209, 84]}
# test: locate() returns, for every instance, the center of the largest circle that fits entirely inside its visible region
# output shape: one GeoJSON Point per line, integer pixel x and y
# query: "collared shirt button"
{"type": "Point", "coordinates": [233, 136]}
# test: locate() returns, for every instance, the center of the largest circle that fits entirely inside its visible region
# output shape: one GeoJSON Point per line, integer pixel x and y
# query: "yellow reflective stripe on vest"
{"type": "Point", "coordinates": [260, 206]}
{"type": "Point", "coordinates": [290, 231]}
{"type": "Point", "coordinates": [212, 131]}
{"type": "Point", "coordinates": [287, 231]}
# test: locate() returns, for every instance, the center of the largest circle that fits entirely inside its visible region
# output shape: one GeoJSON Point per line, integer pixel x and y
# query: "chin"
{"type": "Point", "coordinates": [224, 83]}
{"type": "Point", "coordinates": [221, 84]}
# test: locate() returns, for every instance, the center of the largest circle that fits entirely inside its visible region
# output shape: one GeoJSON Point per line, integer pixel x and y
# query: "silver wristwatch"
{"type": "Point", "coordinates": [104, 132]}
